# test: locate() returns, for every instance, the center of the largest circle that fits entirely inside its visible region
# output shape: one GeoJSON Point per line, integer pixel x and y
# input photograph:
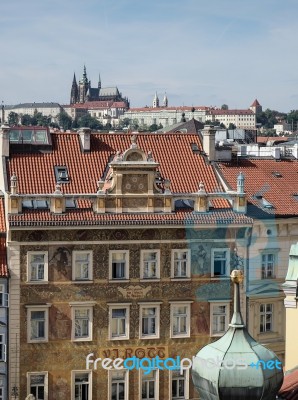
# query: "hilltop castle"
{"type": "Point", "coordinates": [82, 92]}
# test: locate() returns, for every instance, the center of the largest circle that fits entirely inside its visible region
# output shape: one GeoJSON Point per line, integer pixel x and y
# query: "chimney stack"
{"type": "Point", "coordinates": [209, 141]}
{"type": "Point", "coordinates": [4, 140]}
{"type": "Point", "coordinates": [84, 134]}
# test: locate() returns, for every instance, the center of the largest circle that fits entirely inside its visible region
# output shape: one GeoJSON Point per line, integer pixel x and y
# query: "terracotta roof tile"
{"type": "Point", "coordinates": [260, 179]}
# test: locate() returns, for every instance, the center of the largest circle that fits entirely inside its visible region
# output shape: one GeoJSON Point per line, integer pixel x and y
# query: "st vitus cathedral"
{"type": "Point", "coordinates": [82, 92]}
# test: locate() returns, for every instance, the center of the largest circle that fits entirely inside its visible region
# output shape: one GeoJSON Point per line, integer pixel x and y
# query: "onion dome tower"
{"type": "Point", "coordinates": [236, 366]}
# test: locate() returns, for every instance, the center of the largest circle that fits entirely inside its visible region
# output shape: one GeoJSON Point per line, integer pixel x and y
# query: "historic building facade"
{"type": "Point", "coordinates": [115, 252]}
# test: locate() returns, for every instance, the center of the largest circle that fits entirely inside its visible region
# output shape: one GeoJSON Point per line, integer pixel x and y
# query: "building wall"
{"type": "Point", "coordinates": [60, 355]}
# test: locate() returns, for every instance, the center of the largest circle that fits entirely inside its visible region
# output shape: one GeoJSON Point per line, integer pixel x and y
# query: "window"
{"type": "Point", "coordinates": [82, 265]}
{"type": "Point", "coordinates": [37, 384]}
{"type": "Point", "coordinates": [180, 319]}
{"type": "Point", "coordinates": [149, 326]}
{"type": "Point", "coordinates": [179, 385]}
{"type": "Point", "coordinates": [149, 385]}
{"type": "Point", "coordinates": [266, 318]}
{"type": "Point", "coordinates": [37, 325]}
{"type": "Point", "coordinates": [150, 264]}
{"type": "Point", "coordinates": [180, 264]}
{"type": "Point", "coordinates": [82, 321]}
{"type": "Point", "coordinates": [219, 318]}
{"type": "Point", "coordinates": [2, 348]}
{"type": "Point", "coordinates": [37, 267]}
{"type": "Point", "coordinates": [119, 322]}
{"type": "Point", "coordinates": [61, 174]}
{"type": "Point", "coordinates": [1, 393]}
{"type": "Point", "coordinates": [3, 297]}
{"type": "Point", "coordinates": [119, 264]}
{"type": "Point", "coordinates": [81, 385]}
{"type": "Point", "coordinates": [118, 385]}
{"type": "Point", "coordinates": [220, 262]}
{"type": "Point", "coordinates": [268, 263]}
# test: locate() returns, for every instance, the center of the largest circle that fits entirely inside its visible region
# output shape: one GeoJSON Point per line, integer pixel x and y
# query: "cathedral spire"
{"type": "Point", "coordinates": [99, 82]}
{"type": "Point", "coordinates": [165, 100]}
{"type": "Point", "coordinates": [155, 103]}
{"type": "Point", "coordinates": [74, 91]}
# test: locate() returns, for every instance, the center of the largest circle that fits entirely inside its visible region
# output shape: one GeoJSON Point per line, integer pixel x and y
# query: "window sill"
{"type": "Point", "coordinates": [118, 280]}
{"type": "Point", "coordinates": [37, 282]}
{"type": "Point", "coordinates": [38, 341]}
{"type": "Point", "coordinates": [82, 281]}
{"type": "Point", "coordinates": [149, 279]}
{"type": "Point", "coordinates": [217, 334]}
{"type": "Point", "coordinates": [181, 279]}
{"type": "Point", "coordinates": [119, 338]}
{"type": "Point", "coordinates": [149, 337]}
{"type": "Point", "coordinates": [181, 336]}
{"type": "Point", "coordinates": [81, 339]}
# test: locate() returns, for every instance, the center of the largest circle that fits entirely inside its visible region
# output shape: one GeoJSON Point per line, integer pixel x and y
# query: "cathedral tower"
{"type": "Point", "coordinates": [155, 103]}
{"type": "Point", "coordinates": [74, 94]}
{"type": "Point", "coordinates": [83, 86]}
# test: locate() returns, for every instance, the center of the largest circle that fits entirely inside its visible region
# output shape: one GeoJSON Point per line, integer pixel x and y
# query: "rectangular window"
{"type": "Point", "coordinates": [266, 318]}
{"type": "Point", "coordinates": [149, 326]}
{"type": "Point", "coordinates": [2, 348]}
{"type": "Point", "coordinates": [180, 320]}
{"type": "Point", "coordinates": [82, 266]}
{"type": "Point", "coordinates": [118, 265]}
{"type": "Point", "coordinates": [81, 385]}
{"type": "Point", "coordinates": [220, 262]}
{"type": "Point", "coordinates": [118, 385]}
{"type": "Point", "coordinates": [82, 322]}
{"type": "Point", "coordinates": [268, 263]}
{"type": "Point", "coordinates": [149, 385]}
{"type": "Point", "coordinates": [219, 318]}
{"type": "Point", "coordinates": [3, 297]}
{"type": "Point", "coordinates": [179, 385]}
{"type": "Point", "coordinates": [150, 264]}
{"type": "Point", "coordinates": [180, 264]}
{"type": "Point", "coordinates": [119, 322]}
{"type": "Point", "coordinates": [37, 385]}
{"type": "Point", "coordinates": [1, 393]}
{"type": "Point", "coordinates": [38, 323]}
{"type": "Point", "coordinates": [37, 267]}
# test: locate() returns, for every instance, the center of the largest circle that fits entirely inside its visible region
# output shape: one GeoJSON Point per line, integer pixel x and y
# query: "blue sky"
{"type": "Point", "coordinates": [199, 52]}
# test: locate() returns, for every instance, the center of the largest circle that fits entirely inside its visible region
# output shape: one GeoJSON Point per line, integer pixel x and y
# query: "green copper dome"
{"type": "Point", "coordinates": [236, 366]}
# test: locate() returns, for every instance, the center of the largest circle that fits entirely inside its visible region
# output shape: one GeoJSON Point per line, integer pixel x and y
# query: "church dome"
{"type": "Point", "coordinates": [236, 366]}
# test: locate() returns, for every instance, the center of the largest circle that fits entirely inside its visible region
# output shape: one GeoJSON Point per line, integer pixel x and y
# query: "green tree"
{"type": "Point", "coordinates": [89, 122]}
{"type": "Point", "coordinates": [222, 125]}
{"type": "Point", "coordinates": [13, 118]}
{"type": "Point", "coordinates": [26, 120]}
{"type": "Point", "coordinates": [153, 127]}
{"type": "Point", "coordinates": [224, 107]}
{"type": "Point", "coordinates": [232, 126]}
{"type": "Point", "coordinates": [292, 119]}
{"type": "Point", "coordinates": [64, 120]}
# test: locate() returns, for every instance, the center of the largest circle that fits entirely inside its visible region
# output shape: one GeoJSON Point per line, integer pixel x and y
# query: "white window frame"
{"type": "Point", "coordinates": [73, 382]}
{"type": "Point", "coordinates": [188, 260]}
{"type": "Point", "coordinates": [45, 309]}
{"type": "Point", "coordinates": [186, 304]}
{"type": "Point", "coordinates": [90, 266]}
{"type": "Point", "coordinates": [185, 376]}
{"type": "Point", "coordinates": [29, 268]}
{"type": "Point", "coordinates": [4, 296]}
{"type": "Point", "coordinates": [126, 267]}
{"type": "Point", "coordinates": [264, 265]}
{"type": "Point", "coordinates": [82, 306]}
{"type": "Point", "coordinates": [126, 382]}
{"type": "Point", "coordinates": [46, 382]}
{"type": "Point", "coordinates": [214, 304]}
{"type": "Point", "coordinates": [143, 306]}
{"type": "Point", "coordinates": [220, 249]}
{"type": "Point", "coordinates": [144, 276]}
{"type": "Point", "coordinates": [112, 307]}
{"type": "Point", "coordinates": [143, 377]}
{"type": "Point", "coordinates": [263, 315]}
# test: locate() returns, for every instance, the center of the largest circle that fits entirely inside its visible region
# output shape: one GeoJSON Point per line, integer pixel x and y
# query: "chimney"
{"type": "Point", "coordinates": [84, 134]}
{"type": "Point", "coordinates": [4, 140]}
{"type": "Point", "coordinates": [209, 141]}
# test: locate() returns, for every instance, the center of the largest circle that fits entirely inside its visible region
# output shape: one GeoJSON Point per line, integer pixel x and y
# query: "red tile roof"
{"type": "Point", "coordinates": [255, 103]}
{"type": "Point", "coordinates": [271, 139]}
{"type": "Point", "coordinates": [87, 217]}
{"type": "Point", "coordinates": [173, 152]}
{"type": "Point", "coordinates": [259, 179]}
{"type": "Point", "coordinates": [289, 389]}
{"type": "Point", "coordinates": [178, 162]}
{"type": "Point", "coordinates": [231, 112]}
{"type": "Point", "coordinates": [173, 108]}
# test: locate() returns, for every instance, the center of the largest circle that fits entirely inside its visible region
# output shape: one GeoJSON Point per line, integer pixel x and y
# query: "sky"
{"type": "Point", "coordinates": [201, 53]}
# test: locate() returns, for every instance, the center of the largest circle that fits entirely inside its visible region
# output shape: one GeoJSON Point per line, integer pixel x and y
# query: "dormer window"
{"type": "Point", "coordinates": [61, 174]}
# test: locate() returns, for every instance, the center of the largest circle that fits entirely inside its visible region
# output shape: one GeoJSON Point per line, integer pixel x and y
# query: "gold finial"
{"type": "Point", "coordinates": [237, 276]}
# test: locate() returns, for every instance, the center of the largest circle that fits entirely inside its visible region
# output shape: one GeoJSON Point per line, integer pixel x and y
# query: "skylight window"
{"type": "Point", "coordinates": [277, 174]}
{"type": "Point", "coordinates": [61, 174]}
